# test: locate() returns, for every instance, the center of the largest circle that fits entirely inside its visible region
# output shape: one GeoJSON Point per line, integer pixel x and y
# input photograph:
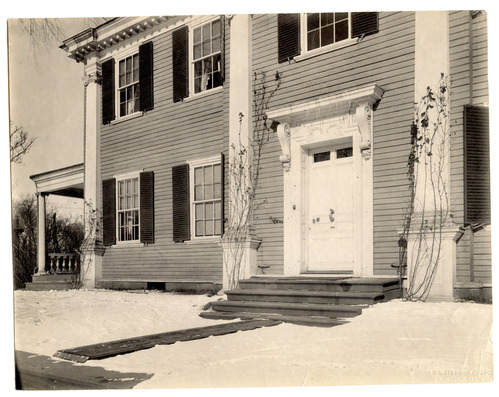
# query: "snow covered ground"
{"type": "Point", "coordinates": [390, 343]}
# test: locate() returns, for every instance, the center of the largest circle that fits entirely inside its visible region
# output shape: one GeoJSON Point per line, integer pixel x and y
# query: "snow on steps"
{"type": "Point", "coordinates": [304, 300]}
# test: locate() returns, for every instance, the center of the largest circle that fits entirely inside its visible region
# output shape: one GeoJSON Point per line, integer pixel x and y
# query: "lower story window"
{"type": "Point", "coordinates": [207, 200]}
{"type": "Point", "coordinates": [128, 209]}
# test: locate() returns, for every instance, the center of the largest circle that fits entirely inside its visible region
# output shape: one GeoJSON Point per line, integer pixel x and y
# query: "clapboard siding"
{"type": "Point", "coordinates": [164, 137]}
{"type": "Point", "coordinates": [469, 74]}
{"type": "Point", "coordinates": [385, 58]}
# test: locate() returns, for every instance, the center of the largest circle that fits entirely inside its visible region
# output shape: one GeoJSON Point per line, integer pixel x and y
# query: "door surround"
{"type": "Point", "coordinates": [331, 120]}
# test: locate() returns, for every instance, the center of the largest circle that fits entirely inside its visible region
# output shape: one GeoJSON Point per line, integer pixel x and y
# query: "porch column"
{"type": "Point", "coordinates": [41, 233]}
{"type": "Point", "coordinates": [92, 250]}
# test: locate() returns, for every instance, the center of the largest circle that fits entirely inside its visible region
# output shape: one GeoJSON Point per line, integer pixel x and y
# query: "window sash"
{"type": "Point", "coordinates": [206, 56]}
{"type": "Point", "coordinates": [320, 30]}
{"type": "Point", "coordinates": [207, 200]}
{"type": "Point", "coordinates": [128, 209]}
{"type": "Point", "coordinates": [128, 85]}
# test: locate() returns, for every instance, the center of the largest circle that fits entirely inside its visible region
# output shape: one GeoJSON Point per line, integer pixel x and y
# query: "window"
{"type": "Point", "coordinates": [128, 85]}
{"type": "Point", "coordinates": [128, 209]}
{"type": "Point", "coordinates": [207, 56]}
{"type": "Point", "coordinates": [207, 200]}
{"type": "Point", "coordinates": [323, 29]}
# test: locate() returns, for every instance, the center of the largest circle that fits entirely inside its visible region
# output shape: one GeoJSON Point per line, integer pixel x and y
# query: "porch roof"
{"type": "Point", "coordinates": [67, 181]}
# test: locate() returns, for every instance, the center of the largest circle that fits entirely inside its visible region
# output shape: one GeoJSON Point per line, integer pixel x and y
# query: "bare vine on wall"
{"type": "Point", "coordinates": [428, 210]}
{"type": "Point", "coordinates": [243, 174]}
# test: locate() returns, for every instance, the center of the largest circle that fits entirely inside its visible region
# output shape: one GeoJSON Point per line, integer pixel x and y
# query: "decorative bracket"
{"type": "Point", "coordinates": [363, 115]}
{"type": "Point", "coordinates": [284, 134]}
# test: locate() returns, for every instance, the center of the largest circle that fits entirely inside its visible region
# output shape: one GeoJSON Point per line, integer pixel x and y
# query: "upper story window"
{"type": "Point", "coordinates": [128, 85]}
{"type": "Point", "coordinates": [206, 56]}
{"type": "Point", "coordinates": [323, 29]}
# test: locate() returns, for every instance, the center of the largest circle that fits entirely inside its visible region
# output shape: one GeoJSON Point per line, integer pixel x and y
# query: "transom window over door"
{"type": "Point", "coordinates": [206, 56]}
{"type": "Point", "coordinates": [129, 85]}
{"type": "Point", "coordinates": [207, 201]}
{"type": "Point", "coordinates": [128, 209]}
{"type": "Point", "coordinates": [326, 28]}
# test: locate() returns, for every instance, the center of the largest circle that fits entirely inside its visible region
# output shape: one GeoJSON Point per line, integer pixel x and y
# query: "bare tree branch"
{"type": "Point", "coordinates": [20, 143]}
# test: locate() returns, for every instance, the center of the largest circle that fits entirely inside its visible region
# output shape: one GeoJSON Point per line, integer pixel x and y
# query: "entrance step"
{"type": "Point", "coordinates": [303, 296]}
{"type": "Point", "coordinates": [47, 282]}
{"type": "Point", "coordinates": [288, 309]}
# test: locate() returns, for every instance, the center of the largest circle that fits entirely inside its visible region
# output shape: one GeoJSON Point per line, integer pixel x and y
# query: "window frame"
{"type": "Point", "coordinates": [121, 178]}
{"type": "Point", "coordinates": [199, 24]}
{"type": "Point", "coordinates": [306, 53]}
{"type": "Point", "coordinates": [199, 163]}
{"type": "Point", "coordinates": [130, 52]}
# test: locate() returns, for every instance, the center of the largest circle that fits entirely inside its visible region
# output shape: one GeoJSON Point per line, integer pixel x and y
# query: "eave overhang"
{"type": "Point", "coordinates": [67, 181]}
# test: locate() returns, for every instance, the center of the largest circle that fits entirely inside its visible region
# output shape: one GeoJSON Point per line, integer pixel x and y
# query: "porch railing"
{"type": "Point", "coordinates": [64, 263]}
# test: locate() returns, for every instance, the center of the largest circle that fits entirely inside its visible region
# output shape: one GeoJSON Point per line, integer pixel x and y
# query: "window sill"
{"type": "Point", "coordinates": [324, 50]}
{"type": "Point", "coordinates": [124, 244]}
{"type": "Point", "coordinates": [127, 117]}
{"type": "Point", "coordinates": [203, 240]}
{"type": "Point", "coordinates": [203, 94]}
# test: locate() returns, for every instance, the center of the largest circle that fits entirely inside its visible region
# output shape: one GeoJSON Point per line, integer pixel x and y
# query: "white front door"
{"type": "Point", "coordinates": [329, 216]}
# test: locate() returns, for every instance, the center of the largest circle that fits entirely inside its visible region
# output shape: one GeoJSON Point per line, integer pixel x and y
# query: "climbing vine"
{"type": "Point", "coordinates": [428, 209]}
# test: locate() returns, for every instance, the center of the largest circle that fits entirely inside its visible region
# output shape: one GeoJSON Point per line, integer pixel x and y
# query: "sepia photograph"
{"type": "Point", "coordinates": [213, 199]}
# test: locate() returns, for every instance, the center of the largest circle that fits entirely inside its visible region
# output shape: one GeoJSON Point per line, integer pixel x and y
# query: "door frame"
{"type": "Point", "coordinates": [328, 121]}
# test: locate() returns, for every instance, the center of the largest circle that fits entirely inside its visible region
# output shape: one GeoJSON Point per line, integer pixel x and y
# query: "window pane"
{"type": "Point", "coordinates": [197, 35]}
{"type": "Point", "coordinates": [208, 211]}
{"type": "Point", "coordinates": [197, 85]}
{"type": "Point", "coordinates": [313, 40]}
{"type": "Point", "coordinates": [198, 176]}
{"type": "Point", "coordinates": [209, 228]}
{"type": "Point", "coordinates": [206, 31]}
{"type": "Point", "coordinates": [198, 193]}
{"type": "Point", "coordinates": [206, 47]}
{"type": "Point", "coordinates": [327, 18]}
{"type": "Point", "coordinates": [340, 16]}
{"type": "Point", "coordinates": [197, 51]}
{"type": "Point", "coordinates": [199, 211]}
{"type": "Point", "coordinates": [199, 228]}
{"type": "Point", "coordinates": [341, 31]}
{"type": "Point", "coordinates": [217, 210]}
{"type": "Point", "coordinates": [208, 192]}
{"type": "Point", "coordinates": [215, 28]}
{"type": "Point", "coordinates": [208, 174]}
{"type": "Point", "coordinates": [216, 44]}
{"type": "Point", "coordinates": [312, 21]}
{"type": "Point", "coordinates": [217, 173]}
{"type": "Point", "coordinates": [136, 89]}
{"type": "Point", "coordinates": [136, 61]}
{"type": "Point", "coordinates": [218, 227]}
{"type": "Point", "coordinates": [217, 190]}
{"type": "Point", "coordinates": [327, 35]}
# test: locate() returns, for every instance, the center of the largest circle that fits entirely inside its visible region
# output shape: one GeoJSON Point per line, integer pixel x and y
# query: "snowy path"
{"type": "Point", "coordinates": [394, 342]}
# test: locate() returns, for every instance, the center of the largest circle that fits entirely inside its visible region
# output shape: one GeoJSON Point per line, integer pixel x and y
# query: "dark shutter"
{"type": "Point", "coordinates": [146, 76]}
{"type": "Point", "coordinates": [364, 23]}
{"type": "Point", "coordinates": [109, 211]}
{"type": "Point", "coordinates": [476, 165]}
{"type": "Point", "coordinates": [181, 203]}
{"type": "Point", "coordinates": [180, 54]}
{"type": "Point", "coordinates": [147, 207]}
{"type": "Point", "coordinates": [222, 162]}
{"type": "Point", "coordinates": [288, 36]}
{"type": "Point", "coordinates": [108, 91]}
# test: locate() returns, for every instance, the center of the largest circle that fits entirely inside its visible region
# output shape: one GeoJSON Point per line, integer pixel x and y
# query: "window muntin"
{"type": "Point", "coordinates": [207, 200]}
{"type": "Point", "coordinates": [323, 29]}
{"type": "Point", "coordinates": [207, 56]}
{"type": "Point", "coordinates": [128, 209]}
{"type": "Point", "coordinates": [128, 85]}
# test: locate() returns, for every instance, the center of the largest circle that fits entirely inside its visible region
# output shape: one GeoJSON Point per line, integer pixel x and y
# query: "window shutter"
{"type": "Point", "coordinates": [109, 211]}
{"type": "Point", "coordinates": [147, 207]}
{"type": "Point", "coordinates": [288, 36]}
{"type": "Point", "coordinates": [180, 54]}
{"type": "Point", "coordinates": [181, 203]}
{"type": "Point", "coordinates": [146, 76]}
{"type": "Point", "coordinates": [476, 164]}
{"type": "Point", "coordinates": [222, 162]}
{"type": "Point", "coordinates": [364, 23]}
{"type": "Point", "coordinates": [108, 91]}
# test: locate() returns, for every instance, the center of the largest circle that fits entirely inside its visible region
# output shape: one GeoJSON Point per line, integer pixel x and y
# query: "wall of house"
{"type": "Point", "coordinates": [469, 75]}
{"type": "Point", "coordinates": [385, 58]}
{"type": "Point", "coordinates": [164, 137]}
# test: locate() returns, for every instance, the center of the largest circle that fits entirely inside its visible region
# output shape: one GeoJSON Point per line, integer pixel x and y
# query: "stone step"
{"type": "Point", "coordinates": [289, 309]}
{"type": "Point", "coordinates": [53, 277]}
{"type": "Point", "coordinates": [331, 284]}
{"type": "Point", "coordinates": [326, 297]}
{"type": "Point", "coordinates": [47, 286]}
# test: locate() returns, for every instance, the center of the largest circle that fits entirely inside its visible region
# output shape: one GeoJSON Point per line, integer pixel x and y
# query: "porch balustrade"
{"type": "Point", "coordinates": [64, 263]}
